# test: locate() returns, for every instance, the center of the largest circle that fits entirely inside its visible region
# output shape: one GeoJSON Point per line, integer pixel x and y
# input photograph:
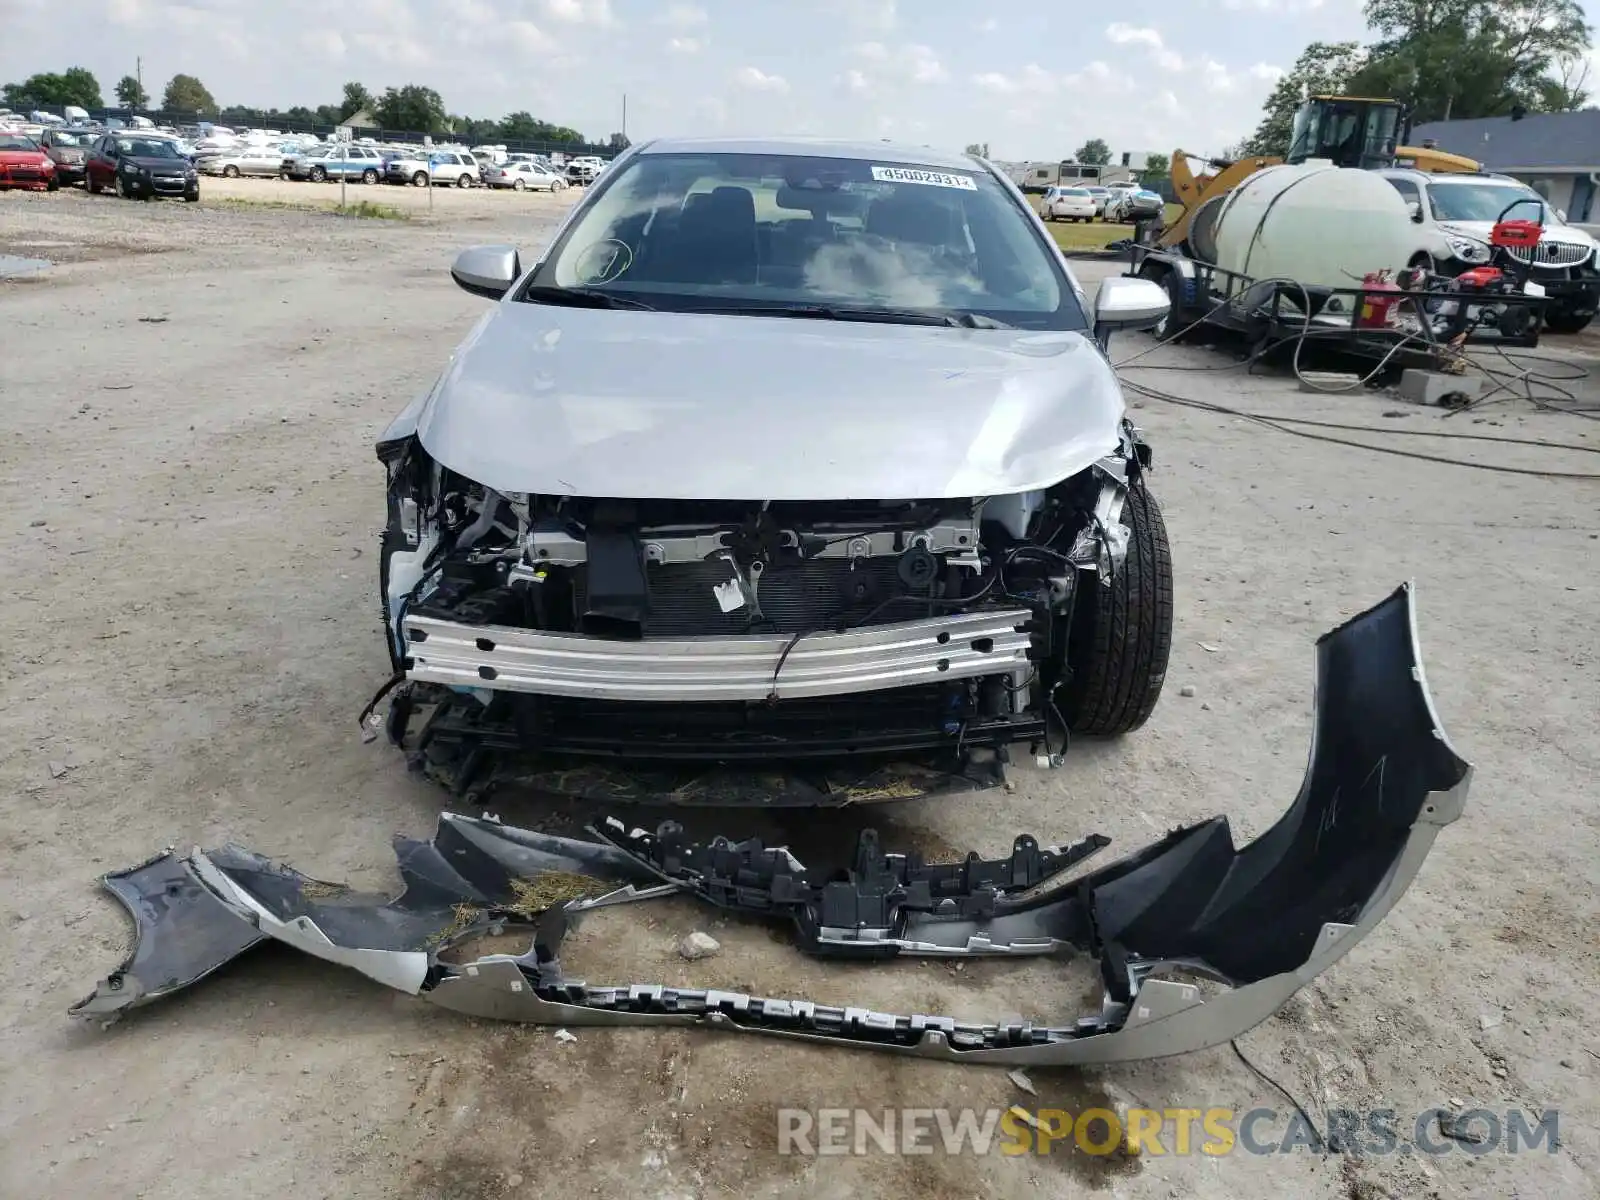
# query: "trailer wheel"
{"type": "Point", "coordinates": [1122, 636]}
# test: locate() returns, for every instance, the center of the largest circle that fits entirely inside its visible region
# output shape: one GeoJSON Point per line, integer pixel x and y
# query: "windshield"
{"type": "Point", "coordinates": [1486, 202]}
{"type": "Point", "coordinates": [146, 148]}
{"type": "Point", "coordinates": [1074, 192]}
{"type": "Point", "coordinates": [16, 141]}
{"type": "Point", "coordinates": [763, 231]}
{"type": "Point", "coordinates": [58, 138]}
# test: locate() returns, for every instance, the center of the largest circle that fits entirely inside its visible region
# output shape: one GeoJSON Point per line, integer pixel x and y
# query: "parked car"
{"type": "Point", "coordinates": [582, 170]}
{"type": "Point", "coordinates": [265, 161]}
{"type": "Point", "coordinates": [662, 503]}
{"type": "Point", "coordinates": [1067, 204]}
{"type": "Point", "coordinates": [523, 175]}
{"type": "Point", "coordinates": [140, 168]}
{"type": "Point", "coordinates": [69, 150]}
{"type": "Point", "coordinates": [1134, 204]}
{"type": "Point", "coordinates": [24, 164]}
{"type": "Point", "coordinates": [448, 167]}
{"type": "Point", "coordinates": [1462, 210]}
{"type": "Point", "coordinates": [1101, 195]}
{"type": "Point", "coordinates": [348, 162]}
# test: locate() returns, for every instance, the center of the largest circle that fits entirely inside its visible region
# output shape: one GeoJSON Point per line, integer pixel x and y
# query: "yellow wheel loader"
{"type": "Point", "coordinates": [1353, 131]}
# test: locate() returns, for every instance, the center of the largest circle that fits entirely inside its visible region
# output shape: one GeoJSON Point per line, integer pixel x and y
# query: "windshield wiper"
{"type": "Point", "coordinates": [581, 297]}
{"type": "Point", "coordinates": [885, 316]}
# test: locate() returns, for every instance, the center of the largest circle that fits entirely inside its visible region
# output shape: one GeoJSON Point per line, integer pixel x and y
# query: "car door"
{"type": "Point", "coordinates": [99, 172]}
{"type": "Point", "coordinates": [260, 162]}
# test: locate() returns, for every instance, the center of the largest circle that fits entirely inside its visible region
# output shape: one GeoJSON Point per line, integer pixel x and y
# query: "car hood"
{"type": "Point", "coordinates": [597, 402]}
{"type": "Point", "coordinates": [23, 158]}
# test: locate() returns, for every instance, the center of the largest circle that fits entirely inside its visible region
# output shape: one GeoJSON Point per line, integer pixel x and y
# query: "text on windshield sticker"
{"type": "Point", "coordinates": [965, 183]}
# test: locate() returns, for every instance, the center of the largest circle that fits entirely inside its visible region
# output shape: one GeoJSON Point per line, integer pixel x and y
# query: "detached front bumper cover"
{"type": "Point", "coordinates": [1264, 919]}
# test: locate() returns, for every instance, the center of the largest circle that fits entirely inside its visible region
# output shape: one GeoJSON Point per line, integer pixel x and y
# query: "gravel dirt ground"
{"type": "Point", "coordinates": [189, 518]}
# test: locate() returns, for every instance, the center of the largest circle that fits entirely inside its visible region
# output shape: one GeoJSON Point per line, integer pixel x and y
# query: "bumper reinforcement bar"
{"type": "Point", "coordinates": [755, 667]}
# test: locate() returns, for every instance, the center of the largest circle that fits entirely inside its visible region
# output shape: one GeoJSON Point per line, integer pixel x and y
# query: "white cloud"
{"type": "Point", "coordinates": [684, 16]}
{"type": "Point", "coordinates": [327, 43]}
{"type": "Point", "coordinates": [528, 37]}
{"type": "Point", "coordinates": [758, 80]}
{"type": "Point", "coordinates": [1267, 73]}
{"type": "Point", "coordinates": [857, 83]}
{"type": "Point", "coordinates": [1122, 34]}
{"type": "Point", "coordinates": [581, 12]}
{"type": "Point", "coordinates": [915, 63]}
{"type": "Point", "coordinates": [684, 45]}
{"type": "Point", "coordinates": [1030, 80]}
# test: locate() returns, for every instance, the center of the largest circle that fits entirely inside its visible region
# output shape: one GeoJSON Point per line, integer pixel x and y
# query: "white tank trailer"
{"type": "Point", "coordinates": [1321, 225]}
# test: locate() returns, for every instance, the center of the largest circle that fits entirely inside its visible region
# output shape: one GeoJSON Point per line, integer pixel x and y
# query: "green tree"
{"type": "Point", "coordinates": [412, 108]}
{"type": "Point", "coordinates": [1094, 151]}
{"type": "Point", "coordinates": [73, 86]}
{"type": "Point", "coordinates": [1323, 67]}
{"type": "Point", "coordinates": [131, 93]}
{"type": "Point", "coordinates": [186, 94]}
{"type": "Point", "coordinates": [619, 141]}
{"type": "Point", "coordinates": [1474, 58]}
{"type": "Point", "coordinates": [356, 99]}
{"type": "Point", "coordinates": [1156, 167]}
{"type": "Point", "coordinates": [474, 130]}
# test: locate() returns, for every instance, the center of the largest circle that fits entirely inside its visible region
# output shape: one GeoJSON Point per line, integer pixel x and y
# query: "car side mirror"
{"type": "Point", "coordinates": [1123, 302]}
{"type": "Point", "coordinates": [486, 270]}
{"type": "Point", "coordinates": [1415, 209]}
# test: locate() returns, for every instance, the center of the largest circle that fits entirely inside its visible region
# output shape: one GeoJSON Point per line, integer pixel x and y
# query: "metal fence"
{"type": "Point", "coordinates": [398, 136]}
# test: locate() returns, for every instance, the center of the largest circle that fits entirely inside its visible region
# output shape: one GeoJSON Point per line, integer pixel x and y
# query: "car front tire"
{"type": "Point", "coordinates": [318, 175]}
{"type": "Point", "coordinates": [1558, 321]}
{"type": "Point", "coordinates": [1122, 640]}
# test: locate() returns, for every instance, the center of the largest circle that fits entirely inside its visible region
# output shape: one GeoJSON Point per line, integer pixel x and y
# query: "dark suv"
{"type": "Point", "coordinates": [140, 168]}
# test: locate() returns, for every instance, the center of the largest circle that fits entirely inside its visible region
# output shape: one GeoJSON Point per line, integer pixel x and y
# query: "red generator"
{"type": "Point", "coordinates": [1378, 300]}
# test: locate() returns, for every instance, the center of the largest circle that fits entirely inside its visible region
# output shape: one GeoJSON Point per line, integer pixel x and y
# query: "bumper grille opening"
{"type": "Point", "coordinates": [821, 593]}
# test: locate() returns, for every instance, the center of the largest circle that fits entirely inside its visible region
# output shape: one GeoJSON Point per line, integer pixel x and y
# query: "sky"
{"type": "Point", "coordinates": [1032, 80]}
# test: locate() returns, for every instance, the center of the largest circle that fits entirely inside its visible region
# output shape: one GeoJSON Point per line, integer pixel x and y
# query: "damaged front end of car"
{"type": "Point", "coordinates": [1262, 919]}
{"type": "Point", "coordinates": [814, 652]}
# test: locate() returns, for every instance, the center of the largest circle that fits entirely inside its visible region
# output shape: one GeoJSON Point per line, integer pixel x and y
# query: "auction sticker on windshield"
{"type": "Point", "coordinates": [929, 178]}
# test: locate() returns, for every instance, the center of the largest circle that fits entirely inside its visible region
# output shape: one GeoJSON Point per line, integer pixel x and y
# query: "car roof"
{"type": "Point", "coordinates": [1450, 176]}
{"type": "Point", "coordinates": [882, 152]}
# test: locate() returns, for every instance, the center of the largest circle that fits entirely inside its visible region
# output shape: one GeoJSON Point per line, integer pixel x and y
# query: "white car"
{"type": "Point", "coordinates": [1068, 204]}
{"type": "Point", "coordinates": [246, 160]}
{"type": "Point", "coordinates": [523, 176]}
{"type": "Point", "coordinates": [1460, 211]}
{"type": "Point", "coordinates": [445, 167]}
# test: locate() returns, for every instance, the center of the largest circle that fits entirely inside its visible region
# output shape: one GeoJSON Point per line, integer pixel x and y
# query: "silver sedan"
{"type": "Point", "coordinates": [523, 176]}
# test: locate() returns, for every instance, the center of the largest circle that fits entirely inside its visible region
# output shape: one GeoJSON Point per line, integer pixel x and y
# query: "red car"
{"type": "Point", "coordinates": [23, 164]}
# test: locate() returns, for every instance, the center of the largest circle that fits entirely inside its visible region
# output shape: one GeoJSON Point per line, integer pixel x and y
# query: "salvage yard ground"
{"type": "Point", "coordinates": [190, 511]}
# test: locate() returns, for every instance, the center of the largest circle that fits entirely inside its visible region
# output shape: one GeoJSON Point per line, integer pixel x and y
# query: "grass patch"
{"type": "Point", "coordinates": [1097, 235]}
{"type": "Point", "coordinates": [367, 209]}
